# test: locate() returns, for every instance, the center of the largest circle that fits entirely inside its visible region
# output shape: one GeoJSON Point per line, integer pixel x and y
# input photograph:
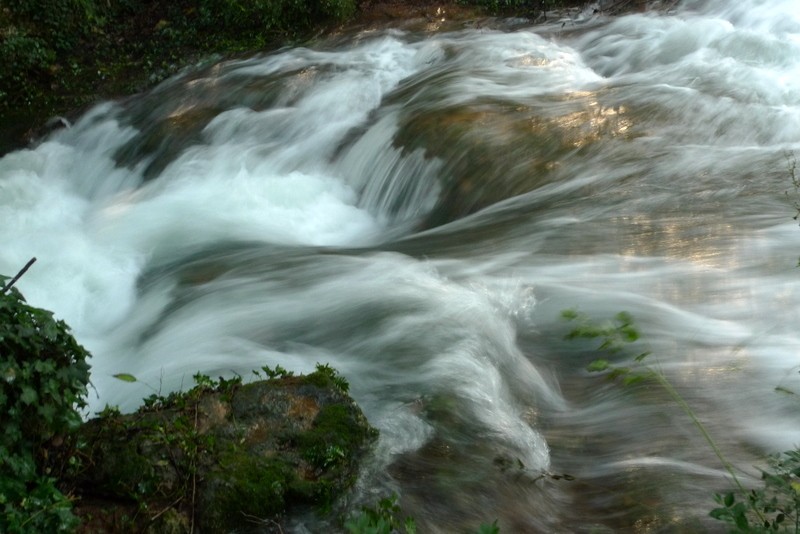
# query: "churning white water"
{"type": "Point", "coordinates": [416, 209]}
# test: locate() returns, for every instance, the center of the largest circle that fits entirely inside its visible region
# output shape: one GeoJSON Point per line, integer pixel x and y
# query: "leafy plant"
{"type": "Point", "coordinates": [384, 518]}
{"type": "Point", "coordinates": [43, 384]}
{"type": "Point", "coordinates": [179, 399]}
{"type": "Point", "coordinates": [284, 16]}
{"type": "Point", "coordinates": [489, 528]}
{"type": "Point", "coordinates": [615, 337]}
{"type": "Point", "coordinates": [333, 375]}
{"type": "Point", "coordinates": [773, 508]}
{"type": "Point", "coordinates": [506, 463]}
{"type": "Point", "coordinates": [516, 6]}
{"type": "Point", "coordinates": [273, 372]}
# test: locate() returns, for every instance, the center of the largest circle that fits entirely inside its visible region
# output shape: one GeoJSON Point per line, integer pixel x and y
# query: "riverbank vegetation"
{"type": "Point", "coordinates": [222, 456]}
{"type": "Point", "coordinates": [772, 507]}
{"type": "Point", "coordinates": [44, 376]}
{"type": "Point", "coordinates": [59, 56]}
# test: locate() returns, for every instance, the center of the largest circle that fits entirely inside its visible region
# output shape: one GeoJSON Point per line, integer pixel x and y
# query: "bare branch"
{"type": "Point", "coordinates": [17, 277]}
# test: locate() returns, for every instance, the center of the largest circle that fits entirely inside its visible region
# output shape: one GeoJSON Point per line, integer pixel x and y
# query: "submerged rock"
{"type": "Point", "coordinates": [227, 458]}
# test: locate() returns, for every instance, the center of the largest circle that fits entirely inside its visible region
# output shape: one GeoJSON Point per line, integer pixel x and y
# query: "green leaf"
{"type": "Point", "coordinates": [489, 529]}
{"type": "Point", "coordinates": [47, 411]}
{"type": "Point", "coordinates": [598, 366]}
{"type": "Point", "coordinates": [125, 377]}
{"type": "Point", "coordinates": [634, 378]}
{"type": "Point", "coordinates": [29, 395]}
{"type": "Point", "coordinates": [719, 513]}
{"type": "Point", "coordinates": [739, 511]}
{"type": "Point", "coordinates": [618, 372]}
{"type": "Point", "coordinates": [629, 334]}
{"type": "Point", "coordinates": [728, 499]}
{"type": "Point", "coordinates": [570, 314]}
{"type": "Point", "coordinates": [624, 317]}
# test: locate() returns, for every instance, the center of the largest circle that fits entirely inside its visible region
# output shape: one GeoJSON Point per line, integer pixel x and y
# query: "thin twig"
{"type": "Point", "coordinates": [17, 277]}
{"type": "Point", "coordinates": [791, 167]}
{"type": "Point", "coordinates": [194, 472]}
{"type": "Point", "coordinates": [169, 507]}
{"type": "Point", "coordinates": [260, 521]}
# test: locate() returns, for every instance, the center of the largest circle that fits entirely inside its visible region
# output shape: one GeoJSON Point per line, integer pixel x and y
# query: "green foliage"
{"type": "Point", "coordinates": [615, 334]}
{"type": "Point", "coordinates": [506, 464]}
{"type": "Point", "coordinates": [261, 489]}
{"type": "Point", "coordinates": [336, 10]}
{"type": "Point", "coordinates": [384, 518]}
{"type": "Point", "coordinates": [489, 529]}
{"type": "Point", "coordinates": [273, 373]}
{"type": "Point", "coordinates": [125, 377]}
{"type": "Point", "coordinates": [23, 52]}
{"type": "Point", "coordinates": [773, 508]}
{"type": "Point", "coordinates": [523, 7]}
{"type": "Point", "coordinates": [233, 475]}
{"type": "Point", "coordinates": [30, 502]}
{"type": "Point", "coordinates": [40, 38]}
{"type": "Point", "coordinates": [43, 381]}
{"type": "Point", "coordinates": [334, 432]}
{"type": "Point", "coordinates": [109, 412]}
{"type": "Point", "coordinates": [284, 16]}
{"type": "Point", "coordinates": [182, 399]}
{"type": "Point", "coordinates": [161, 463]}
{"type": "Point", "coordinates": [62, 22]}
{"type": "Point", "coordinates": [329, 373]}
{"type": "Point", "coordinates": [616, 337]}
{"type": "Point", "coordinates": [58, 55]}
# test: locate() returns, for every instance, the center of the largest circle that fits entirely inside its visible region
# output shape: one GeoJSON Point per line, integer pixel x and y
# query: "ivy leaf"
{"type": "Point", "coordinates": [47, 411]}
{"type": "Point", "coordinates": [28, 395]}
{"type": "Point", "coordinates": [50, 330]}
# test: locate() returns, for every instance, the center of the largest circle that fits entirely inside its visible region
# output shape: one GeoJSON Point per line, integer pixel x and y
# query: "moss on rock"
{"type": "Point", "coordinates": [229, 457]}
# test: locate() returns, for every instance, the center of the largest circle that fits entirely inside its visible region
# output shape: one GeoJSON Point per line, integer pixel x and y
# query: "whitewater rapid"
{"type": "Point", "coordinates": [416, 209]}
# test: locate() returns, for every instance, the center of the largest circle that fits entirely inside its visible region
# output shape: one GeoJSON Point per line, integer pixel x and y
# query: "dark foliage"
{"type": "Point", "coordinates": [43, 381]}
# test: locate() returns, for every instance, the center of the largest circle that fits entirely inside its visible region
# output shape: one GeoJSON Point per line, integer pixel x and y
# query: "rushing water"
{"type": "Point", "coordinates": [416, 209]}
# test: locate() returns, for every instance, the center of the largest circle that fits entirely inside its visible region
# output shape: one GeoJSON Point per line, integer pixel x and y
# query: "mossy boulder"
{"type": "Point", "coordinates": [223, 457]}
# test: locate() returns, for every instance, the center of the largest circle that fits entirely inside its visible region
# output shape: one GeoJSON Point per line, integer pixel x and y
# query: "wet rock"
{"type": "Point", "coordinates": [532, 139]}
{"type": "Point", "coordinates": [230, 458]}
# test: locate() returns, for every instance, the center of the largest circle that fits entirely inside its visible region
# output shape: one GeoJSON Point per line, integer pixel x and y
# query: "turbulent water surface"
{"type": "Point", "coordinates": [416, 209]}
